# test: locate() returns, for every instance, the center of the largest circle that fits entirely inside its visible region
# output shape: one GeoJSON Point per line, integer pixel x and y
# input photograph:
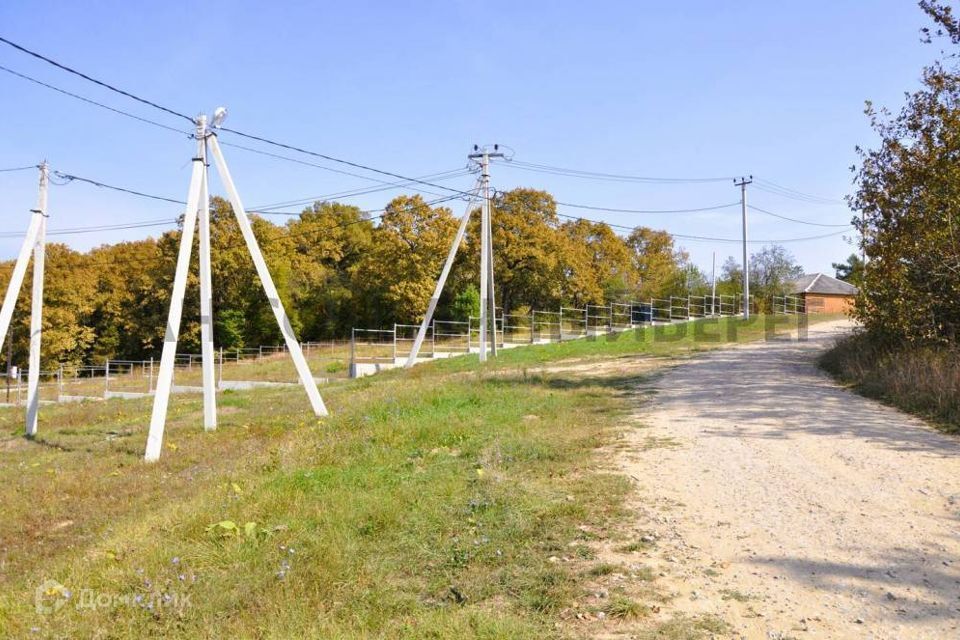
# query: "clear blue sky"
{"type": "Point", "coordinates": [649, 88]}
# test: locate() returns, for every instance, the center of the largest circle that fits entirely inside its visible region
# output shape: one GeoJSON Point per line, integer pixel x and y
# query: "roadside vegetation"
{"type": "Point", "coordinates": [451, 501]}
{"type": "Point", "coordinates": [907, 215]}
{"type": "Point", "coordinates": [924, 380]}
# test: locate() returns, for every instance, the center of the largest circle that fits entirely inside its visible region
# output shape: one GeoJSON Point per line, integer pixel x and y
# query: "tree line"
{"type": "Point", "coordinates": [336, 268]}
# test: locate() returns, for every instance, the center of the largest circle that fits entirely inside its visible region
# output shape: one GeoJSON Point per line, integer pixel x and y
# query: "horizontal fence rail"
{"type": "Point", "coordinates": [245, 367]}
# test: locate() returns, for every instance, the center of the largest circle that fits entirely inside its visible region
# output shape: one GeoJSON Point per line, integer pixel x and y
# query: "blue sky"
{"type": "Point", "coordinates": [664, 89]}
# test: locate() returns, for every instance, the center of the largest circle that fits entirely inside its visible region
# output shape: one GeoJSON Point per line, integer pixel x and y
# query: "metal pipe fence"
{"type": "Point", "coordinates": [133, 378]}
{"type": "Point", "coordinates": [660, 310]}
{"type": "Point", "coordinates": [573, 322]}
{"type": "Point", "coordinates": [598, 317]}
{"type": "Point", "coordinates": [546, 326]}
{"type": "Point", "coordinates": [451, 336]}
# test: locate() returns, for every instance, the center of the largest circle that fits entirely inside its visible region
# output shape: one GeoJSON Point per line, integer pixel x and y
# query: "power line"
{"type": "Point", "coordinates": [446, 175]}
{"type": "Point", "coordinates": [705, 238]}
{"type": "Point", "coordinates": [234, 145]}
{"type": "Point", "coordinates": [765, 185]}
{"type": "Point", "coordinates": [331, 169]}
{"type": "Point", "coordinates": [782, 217]}
{"type": "Point", "coordinates": [95, 81]}
{"type": "Point", "coordinates": [650, 211]}
{"type": "Point", "coordinates": [240, 243]}
{"type": "Point", "coordinates": [95, 229]}
{"type": "Point", "coordinates": [32, 166]}
{"type": "Point", "coordinates": [597, 175]}
{"type": "Point", "coordinates": [91, 102]}
{"type": "Point", "coordinates": [441, 175]}
{"type": "Point", "coordinates": [787, 192]}
{"type": "Point", "coordinates": [72, 178]}
{"type": "Point", "coordinates": [349, 163]}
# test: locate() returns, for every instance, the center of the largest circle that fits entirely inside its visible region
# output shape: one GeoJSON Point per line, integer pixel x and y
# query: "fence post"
{"type": "Point", "coordinates": [533, 325]}
{"type": "Point", "coordinates": [150, 379]}
{"type": "Point", "coordinates": [220, 379]}
{"type": "Point", "coordinates": [433, 338]}
{"type": "Point", "coordinates": [353, 353]}
{"type": "Point", "coordinates": [394, 340]}
{"type": "Point", "coordinates": [260, 353]}
{"type": "Point", "coordinates": [19, 377]}
{"type": "Point", "coordinates": [560, 337]}
{"type": "Point", "coordinates": [106, 378]}
{"type": "Point", "coordinates": [59, 382]}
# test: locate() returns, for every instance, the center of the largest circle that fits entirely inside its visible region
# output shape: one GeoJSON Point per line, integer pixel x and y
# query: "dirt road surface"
{"type": "Point", "coordinates": [792, 508]}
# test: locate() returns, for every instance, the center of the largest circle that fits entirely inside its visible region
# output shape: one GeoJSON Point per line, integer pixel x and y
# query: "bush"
{"type": "Point", "coordinates": [924, 380]}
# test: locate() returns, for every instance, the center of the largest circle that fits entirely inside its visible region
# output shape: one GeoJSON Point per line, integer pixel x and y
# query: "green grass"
{"type": "Point", "coordinates": [623, 608]}
{"type": "Point", "coordinates": [664, 340]}
{"type": "Point", "coordinates": [686, 628]}
{"type": "Point", "coordinates": [429, 505]}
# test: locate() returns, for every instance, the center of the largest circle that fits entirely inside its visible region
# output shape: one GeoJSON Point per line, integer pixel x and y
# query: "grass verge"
{"type": "Point", "coordinates": [431, 504]}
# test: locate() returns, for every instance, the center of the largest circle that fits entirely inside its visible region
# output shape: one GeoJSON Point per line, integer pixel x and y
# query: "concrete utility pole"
{"type": "Point", "coordinates": [487, 299]}
{"type": "Point", "coordinates": [441, 281]}
{"type": "Point", "coordinates": [32, 243]}
{"type": "Point", "coordinates": [206, 292]}
{"type": "Point", "coordinates": [713, 293]}
{"type": "Point", "coordinates": [197, 212]}
{"type": "Point", "coordinates": [36, 309]}
{"type": "Point", "coordinates": [742, 183]}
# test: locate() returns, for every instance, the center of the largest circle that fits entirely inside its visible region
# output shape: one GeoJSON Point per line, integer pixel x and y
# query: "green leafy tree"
{"type": "Point", "coordinates": [850, 271]}
{"type": "Point", "coordinates": [656, 262]}
{"type": "Point", "coordinates": [907, 194]}
{"type": "Point", "coordinates": [466, 304]}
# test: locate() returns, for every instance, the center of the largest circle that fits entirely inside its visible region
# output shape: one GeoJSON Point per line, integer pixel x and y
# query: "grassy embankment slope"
{"type": "Point", "coordinates": [429, 504]}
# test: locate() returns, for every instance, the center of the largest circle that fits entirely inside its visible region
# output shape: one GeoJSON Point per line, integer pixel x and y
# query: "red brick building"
{"type": "Point", "coordinates": [824, 294]}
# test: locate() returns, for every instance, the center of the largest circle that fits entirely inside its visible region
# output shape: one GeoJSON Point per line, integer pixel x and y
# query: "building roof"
{"type": "Point", "coordinates": [821, 283]}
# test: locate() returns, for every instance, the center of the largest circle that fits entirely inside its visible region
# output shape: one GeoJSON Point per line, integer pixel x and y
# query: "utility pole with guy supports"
{"type": "Point", "coordinates": [35, 242]}
{"type": "Point", "coordinates": [487, 299]}
{"type": "Point", "coordinates": [742, 183]}
{"type": "Point", "coordinates": [488, 306]}
{"type": "Point", "coordinates": [198, 208]}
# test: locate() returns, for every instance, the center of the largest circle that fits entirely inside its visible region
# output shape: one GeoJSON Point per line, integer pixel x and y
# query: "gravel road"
{"type": "Point", "coordinates": [792, 508]}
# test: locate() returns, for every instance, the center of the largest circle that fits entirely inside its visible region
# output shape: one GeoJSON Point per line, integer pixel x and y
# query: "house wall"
{"type": "Point", "coordinates": [826, 303]}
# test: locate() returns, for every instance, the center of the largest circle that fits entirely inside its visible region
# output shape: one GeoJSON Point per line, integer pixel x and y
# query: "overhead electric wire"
{"type": "Point", "coordinates": [95, 229]}
{"type": "Point", "coordinates": [446, 175]}
{"type": "Point", "coordinates": [349, 163]}
{"type": "Point", "coordinates": [32, 166]}
{"type": "Point", "coordinates": [650, 211]}
{"type": "Point", "coordinates": [797, 220]}
{"type": "Point", "coordinates": [224, 143]}
{"type": "Point", "coordinates": [787, 192]}
{"type": "Point", "coordinates": [240, 243]}
{"type": "Point", "coordinates": [703, 238]}
{"type": "Point", "coordinates": [94, 80]}
{"type": "Point", "coordinates": [309, 164]}
{"type": "Point", "coordinates": [72, 178]}
{"type": "Point", "coordinates": [233, 131]}
{"type": "Point", "coordinates": [764, 185]}
{"type": "Point", "coordinates": [92, 102]}
{"type": "Point", "coordinates": [598, 175]}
